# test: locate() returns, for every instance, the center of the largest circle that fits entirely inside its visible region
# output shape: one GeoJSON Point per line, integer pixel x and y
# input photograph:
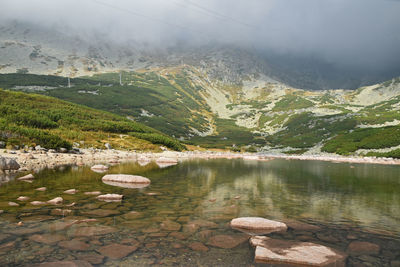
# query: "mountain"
{"type": "Point", "coordinates": [30, 119]}
{"type": "Point", "coordinates": [211, 96]}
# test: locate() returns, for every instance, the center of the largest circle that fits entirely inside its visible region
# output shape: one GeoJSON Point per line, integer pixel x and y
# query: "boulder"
{"type": "Point", "coordinates": [257, 225]}
{"type": "Point", "coordinates": [110, 197]}
{"type": "Point", "coordinates": [27, 177]}
{"type": "Point", "coordinates": [55, 201]}
{"type": "Point", "coordinates": [274, 251]}
{"type": "Point", "coordinates": [126, 180]}
{"type": "Point", "coordinates": [7, 164]}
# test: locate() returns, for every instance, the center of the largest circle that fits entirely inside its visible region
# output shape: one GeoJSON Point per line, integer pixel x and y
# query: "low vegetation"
{"type": "Point", "coordinates": [30, 119]}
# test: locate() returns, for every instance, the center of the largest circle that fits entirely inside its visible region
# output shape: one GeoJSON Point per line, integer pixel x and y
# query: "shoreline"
{"type": "Point", "coordinates": [37, 160]}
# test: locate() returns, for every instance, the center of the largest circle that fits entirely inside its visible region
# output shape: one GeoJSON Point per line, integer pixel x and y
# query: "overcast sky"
{"type": "Point", "coordinates": [357, 32]}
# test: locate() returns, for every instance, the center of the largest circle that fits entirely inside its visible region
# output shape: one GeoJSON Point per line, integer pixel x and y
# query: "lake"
{"type": "Point", "coordinates": [173, 221]}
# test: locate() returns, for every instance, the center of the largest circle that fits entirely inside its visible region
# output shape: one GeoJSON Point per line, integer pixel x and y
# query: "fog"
{"type": "Point", "coordinates": [356, 33]}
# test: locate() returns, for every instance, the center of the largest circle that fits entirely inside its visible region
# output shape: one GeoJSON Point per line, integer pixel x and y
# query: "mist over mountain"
{"type": "Point", "coordinates": [306, 44]}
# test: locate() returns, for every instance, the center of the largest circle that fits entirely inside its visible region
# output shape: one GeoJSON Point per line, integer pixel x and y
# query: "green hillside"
{"type": "Point", "coordinates": [31, 119]}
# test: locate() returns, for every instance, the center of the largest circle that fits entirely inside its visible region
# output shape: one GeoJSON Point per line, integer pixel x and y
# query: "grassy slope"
{"type": "Point", "coordinates": [32, 119]}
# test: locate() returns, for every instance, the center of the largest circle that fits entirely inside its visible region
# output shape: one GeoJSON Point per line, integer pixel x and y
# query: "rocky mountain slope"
{"type": "Point", "coordinates": [212, 96]}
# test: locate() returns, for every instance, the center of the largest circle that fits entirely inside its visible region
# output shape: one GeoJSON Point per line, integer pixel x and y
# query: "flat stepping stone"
{"type": "Point", "coordinates": [274, 251]}
{"type": "Point", "coordinates": [99, 167]}
{"type": "Point", "coordinates": [126, 180]}
{"type": "Point", "coordinates": [257, 225]}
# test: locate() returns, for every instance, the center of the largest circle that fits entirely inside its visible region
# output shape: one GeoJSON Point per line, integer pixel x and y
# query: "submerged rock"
{"type": "Point", "coordinates": [71, 191]}
{"type": "Point", "coordinates": [198, 246]}
{"type": "Point", "coordinates": [101, 212]}
{"type": "Point", "coordinates": [274, 251]}
{"type": "Point", "coordinates": [55, 201]}
{"type": "Point", "coordinates": [94, 193]}
{"type": "Point", "coordinates": [26, 177]}
{"type": "Point", "coordinates": [110, 197]}
{"type": "Point", "coordinates": [74, 263]}
{"type": "Point", "coordinates": [257, 225]}
{"type": "Point", "coordinates": [23, 198]}
{"type": "Point", "coordinates": [37, 203]}
{"type": "Point", "coordinates": [74, 244]}
{"type": "Point", "coordinates": [227, 241]}
{"type": "Point", "coordinates": [47, 238]}
{"type": "Point", "coordinates": [13, 204]}
{"type": "Point", "coordinates": [117, 251]}
{"type": "Point", "coordinates": [170, 226]}
{"type": "Point", "coordinates": [93, 230]}
{"type": "Point", "coordinates": [126, 180]}
{"type": "Point", "coordinates": [362, 248]}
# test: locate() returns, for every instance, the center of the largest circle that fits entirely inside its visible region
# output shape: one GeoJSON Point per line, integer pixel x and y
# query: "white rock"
{"type": "Point", "coordinates": [126, 180]}
{"type": "Point", "coordinates": [70, 191]}
{"type": "Point", "coordinates": [41, 189]}
{"type": "Point", "coordinates": [274, 251]}
{"type": "Point", "coordinates": [55, 201]}
{"type": "Point", "coordinates": [258, 225]}
{"type": "Point", "coordinates": [22, 198]}
{"type": "Point", "coordinates": [13, 204]}
{"type": "Point", "coordinates": [93, 193]}
{"type": "Point", "coordinates": [99, 167]}
{"type": "Point", "coordinates": [110, 197]}
{"type": "Point", "coordinates": [37, 203]}
{"type": "Point", "coordinates": [167, 160]}
{"type": "Point", "coordinates": [27, 177]}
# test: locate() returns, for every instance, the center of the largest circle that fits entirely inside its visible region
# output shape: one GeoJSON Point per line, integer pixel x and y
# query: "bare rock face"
{"type": "Point", "coordinates": [56, 201]}
{"type": "Point", "coordinates": [257, 225]}
{"type": "Point", "coordinates": [110, 197]}
{"type": "Point", "coordinates": [274, 251]}
{"type": "Point", "coordinates": [126, 180]}
{"type": "Point", "coordinates": [26, 177]}
{"type": "Point", "coordinates": [7, 164]}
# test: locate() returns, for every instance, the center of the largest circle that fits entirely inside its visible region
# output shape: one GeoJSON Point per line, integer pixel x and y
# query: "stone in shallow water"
{"type": "Point", "coordinates": [47, 238]}
{"type": "Point", "coordinates": [204, 223]}
{"type": "Point", "coordinates": [227, 241]}
{"type": "Point", "coordinates": [75, 263]}
{"type": "Point", "coordinates": [13, 204]}
{"type": "Point", "coordinates": [301, 226]}
{"type": "Point", "coordinates": [170, 226]}
{"type": "Point", "coordinates": [126, 180]}
{"type": "Point", "coordinates": [71, 191]}
{"type": "Point", "coordinates": [94, 193]}
{"type": "Point", "coordinates": [117, 251]}
{"type": "Point", "coordinates": [23, 198]}
{"type": "Point", "coordinates": [258, 225]}
{"type": "Point", "coordinates": [93, 258]}
{"type": "Point", "coordinates": [274, 251]}
{"type": "Point", "coordinates": [37, 203]}
{"type": "Point", "coordinates": [258, 240]}
{"type": "Point", "coordinates": [62, 212]}
{"type": "Point", "coordinates": [178, 235]}
{"type": "Point", "coordinates": [26, 177]}
{"type": "Point", "coordinates": [197, 246]}
{"type": "Point", "coordinates": [110, 197]}
{"type": "Point", "coordinates": [100, 212]}
{"type": "Point", "coordinates": [74, 244]}
{"type": "Point", "coordinates": [41, 189]}
{"type": "Point", "coordinates": [93, 230]}
{"type": "Point", "coordinates": [362, 248]}
{"type": "Point", "coordinates": [55, 201]}
{"type": "Point", "coordinates": [99, 167]}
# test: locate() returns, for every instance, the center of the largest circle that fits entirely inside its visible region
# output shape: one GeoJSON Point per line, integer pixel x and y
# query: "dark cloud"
{"type": "Point", "coordinates": [362, 33]}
